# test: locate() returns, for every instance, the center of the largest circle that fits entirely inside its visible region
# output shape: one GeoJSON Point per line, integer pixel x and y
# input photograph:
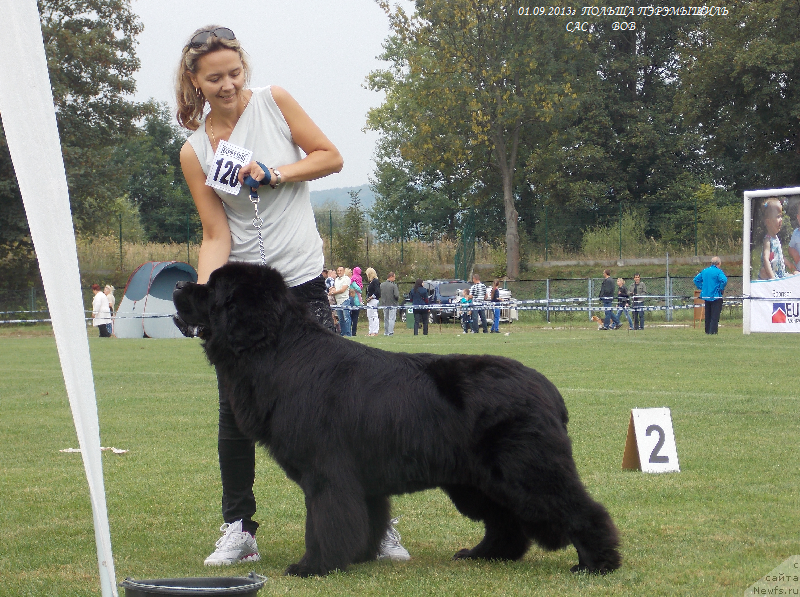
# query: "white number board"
{"type": "Point", "coordinates": [650, 445]}
{"type": "Point", "coordinates": [223, 174]}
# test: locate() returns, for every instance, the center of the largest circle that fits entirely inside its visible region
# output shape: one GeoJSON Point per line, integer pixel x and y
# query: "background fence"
{"type": "Point", "coordinates": [559, 300]}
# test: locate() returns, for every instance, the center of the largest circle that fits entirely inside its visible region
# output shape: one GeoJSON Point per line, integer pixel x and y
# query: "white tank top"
{"type": "Point", "coordinates": [292, 244]}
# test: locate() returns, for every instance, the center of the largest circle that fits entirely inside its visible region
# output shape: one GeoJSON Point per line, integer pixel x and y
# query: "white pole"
{"type": "Point", "coordinates": [746, 230]}
{"type": "Point", "coordinates": [29, 122]}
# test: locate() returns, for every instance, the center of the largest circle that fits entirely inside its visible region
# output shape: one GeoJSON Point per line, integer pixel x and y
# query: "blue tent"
{"type": "Point", "coordinates": [146, 308]}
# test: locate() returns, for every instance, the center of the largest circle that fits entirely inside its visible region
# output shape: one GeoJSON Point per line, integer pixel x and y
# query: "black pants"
{"type": "Point", "coordinates": [421, 318]}
{"type": "Point", "coordinates": [237, 453]}
{"type": "Point", "coordinates": [479, 313]}
{"type": "Point", "coordinates": [638, 317]}
{"type": "Point", "coordinates": [713, 311]}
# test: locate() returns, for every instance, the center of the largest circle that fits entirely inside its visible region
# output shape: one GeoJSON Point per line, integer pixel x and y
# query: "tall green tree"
{"type": "Point", "coordinates": [153, 180]}
{"type": "Point", "coordinates": [410, 203]}
{"type": "Point", "coordinates": [741, 83]}
{"type": "Point", "coordinates": [349, 238]}
{"type": "Point", "coordinates": [90, 48]}
{"type": "Point", "coordinates": [625, 143]}
{"type": "Point", "coordinates": [466, 76]}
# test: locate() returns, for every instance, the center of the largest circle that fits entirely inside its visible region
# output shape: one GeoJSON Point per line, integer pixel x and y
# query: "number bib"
{"type": "Point", "coordinates": [224, 172]}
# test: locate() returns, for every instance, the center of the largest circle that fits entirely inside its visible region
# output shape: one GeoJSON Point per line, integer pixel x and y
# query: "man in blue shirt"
{"type": "Point", "coordinates": [711, 282]}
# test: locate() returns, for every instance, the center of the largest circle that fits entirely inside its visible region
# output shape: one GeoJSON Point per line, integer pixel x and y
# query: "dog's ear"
{"type": "Point", "coordinates": [250, 301]}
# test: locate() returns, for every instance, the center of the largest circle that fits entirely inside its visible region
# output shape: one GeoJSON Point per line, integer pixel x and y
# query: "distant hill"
{"type": "Point", "coordinates": [340, 198]}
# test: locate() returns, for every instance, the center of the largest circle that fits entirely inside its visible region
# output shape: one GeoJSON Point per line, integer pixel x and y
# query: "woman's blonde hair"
{"type": "Point", "coordinates": [190, 100]}
{"type": "Point", "coordinates": [371, 275]}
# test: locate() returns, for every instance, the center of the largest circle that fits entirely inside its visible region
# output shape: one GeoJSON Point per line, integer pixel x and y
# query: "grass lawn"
{"type": "Point", "coordinates": [729, 517]}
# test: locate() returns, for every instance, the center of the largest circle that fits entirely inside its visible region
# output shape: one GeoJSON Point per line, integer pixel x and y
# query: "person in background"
{"type": "Point", "coordinates": [109, 292]}
{"type": "Point", "coordinates": [419, 297]}
{"type": "Point", "coordinates": [390, 299]}
{"type": "Point", "coordinates": [101, 313]}
{"type": "Point", "coordinates": [495, 299]}
{"type": "Point", "coordinates": [610, 321]}
{"type": "Point", "coordinates": [330, 281]}
{"type": "Point", "coordinates": [477, 294]}
{"type": "Point", "coordinates": [638, 290]}
{"type": "Point", "coordinates": [711, 282]}
{"type": "Point", "coordinates": [356, 297]}
{"type": "Point", "coordinates": [373, 296]}
{"type": "Point", "coordinates": [623, 302]}
{"type": "Point", "coordinates": [465, 311]}
{"type": "Point", "coordinates": [340, 292]}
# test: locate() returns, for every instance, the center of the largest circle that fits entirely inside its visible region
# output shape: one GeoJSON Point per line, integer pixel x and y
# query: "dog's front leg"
{"type": "Point", "coordinates": [337, 525]}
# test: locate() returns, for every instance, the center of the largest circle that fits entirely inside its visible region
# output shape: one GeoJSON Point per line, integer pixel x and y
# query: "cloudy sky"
{"type": "Point", "coordinates": [319, 50]}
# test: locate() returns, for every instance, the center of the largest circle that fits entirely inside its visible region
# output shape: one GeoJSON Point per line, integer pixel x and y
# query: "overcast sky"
{"type": "Point", "coordinates": [319, 50]}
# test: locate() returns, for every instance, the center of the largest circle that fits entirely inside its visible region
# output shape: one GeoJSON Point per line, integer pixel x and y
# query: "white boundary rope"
{"type": "Point", "coordinates": [557, 305]}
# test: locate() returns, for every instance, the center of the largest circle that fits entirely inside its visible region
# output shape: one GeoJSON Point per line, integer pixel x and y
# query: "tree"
{"type": "Point", "coordinates": [741, 83]}
{"type": "Point", "coordinates": [349, 239]}
{"type": "Point", "coordinates": [17, 263]}
{"type": "Point", "coordinates": [91, 60]}
{"type": "Point", "coordinates": [409, 203]}
{"type": "Point", "coordinates": [625, 143]}
{"type": "Point", "coordinates": [466, 76]}
{"type": "Point", "coordinates": [154, 180]}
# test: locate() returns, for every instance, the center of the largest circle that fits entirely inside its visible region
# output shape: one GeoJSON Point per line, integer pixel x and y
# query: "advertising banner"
{"type": "Point", "coordinates": [775, 305]}
{"type": "Point", "coordinates": [771, 260]}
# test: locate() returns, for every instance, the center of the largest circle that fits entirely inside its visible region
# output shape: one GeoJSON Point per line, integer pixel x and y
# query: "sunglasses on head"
{"type": "Point", "coordinates": [201, 38]}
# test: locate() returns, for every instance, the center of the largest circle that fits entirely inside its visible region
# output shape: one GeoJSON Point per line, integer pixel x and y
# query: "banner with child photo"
{"type": "Point", "coordinates": [772, 260]}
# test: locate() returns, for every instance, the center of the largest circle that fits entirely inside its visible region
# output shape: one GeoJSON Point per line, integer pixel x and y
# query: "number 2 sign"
{"type": "Point", "coordinates": [650, 446]}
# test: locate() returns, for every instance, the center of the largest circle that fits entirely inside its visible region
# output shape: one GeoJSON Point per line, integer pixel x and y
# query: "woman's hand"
{"type": "Point", "coordinates": [255, 171]}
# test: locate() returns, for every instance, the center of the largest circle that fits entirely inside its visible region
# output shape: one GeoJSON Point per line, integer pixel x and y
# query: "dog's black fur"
{"type": "Point", "coordinates": [353, 425]}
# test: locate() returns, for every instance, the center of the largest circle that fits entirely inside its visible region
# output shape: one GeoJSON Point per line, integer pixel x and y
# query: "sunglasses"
{"type": "Point", "coordinates": [202, 38]}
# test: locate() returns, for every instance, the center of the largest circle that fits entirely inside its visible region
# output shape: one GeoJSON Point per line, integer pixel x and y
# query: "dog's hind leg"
{"type": "Point", "coordinates": [583, 522]}
{"type": "Point", "coordinates": [337, 527]}
{"type": "Point", "coordinates": [596, 539]}
{"type": "Point", "coordinates": [504, 538]}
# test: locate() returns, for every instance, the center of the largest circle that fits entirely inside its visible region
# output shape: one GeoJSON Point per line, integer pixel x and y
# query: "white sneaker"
{"type": "Point", "coordinates": [390, 546]}
{"type": "Point", "coordinates": [233, 547]}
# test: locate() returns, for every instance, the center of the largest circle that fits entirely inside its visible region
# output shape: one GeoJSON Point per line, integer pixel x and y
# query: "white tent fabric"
{"type": "Point", "coordinates": [29, 121]}
{"type": "Point", "coordinates": [146, 308]}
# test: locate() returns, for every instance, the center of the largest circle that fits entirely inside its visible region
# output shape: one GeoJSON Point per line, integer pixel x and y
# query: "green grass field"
{"type": "Point", "coordinates": [729, 517]}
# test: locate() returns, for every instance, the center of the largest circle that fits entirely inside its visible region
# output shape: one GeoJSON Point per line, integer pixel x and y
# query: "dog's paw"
{"type": "Point", "coordinates": [583, 568]}
{"type": "Point", "coordinates": [298, 570]}
{"type": "Point", "coordinates": [463, 554]}
{"type": "Point", "coordinates": [304, 570]}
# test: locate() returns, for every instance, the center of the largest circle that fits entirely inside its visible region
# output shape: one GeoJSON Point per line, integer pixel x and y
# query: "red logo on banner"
{"type": "Point", "coordinates": [778, 312]}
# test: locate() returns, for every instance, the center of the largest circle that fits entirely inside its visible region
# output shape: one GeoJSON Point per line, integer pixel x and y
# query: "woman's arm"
{"type": "Point", "coordinates": [795, 258]}
{"type": "Point", "coordinates": [322, 158]}
{"type": "Point", "coordinates": [766, 272]}
{"type": "Point", "coordinates": [216, 245]}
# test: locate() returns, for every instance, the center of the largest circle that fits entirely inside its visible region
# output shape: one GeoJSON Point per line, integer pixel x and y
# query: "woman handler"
{"type": "Point", "coordinates": [264, 134]}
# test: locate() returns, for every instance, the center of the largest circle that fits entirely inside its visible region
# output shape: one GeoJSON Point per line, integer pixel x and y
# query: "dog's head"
{"type": "Point", "coordinates": [240, 306]}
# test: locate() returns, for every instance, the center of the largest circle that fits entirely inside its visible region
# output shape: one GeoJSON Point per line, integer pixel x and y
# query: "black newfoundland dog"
{"type": "Point", "coordinates": [353, 425]}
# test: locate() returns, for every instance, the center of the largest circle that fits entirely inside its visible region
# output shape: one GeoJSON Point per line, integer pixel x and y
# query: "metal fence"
{"type": "Point", "coordinates": [575, 300]}
{"type": "Point", "coordinates": [553, 300]}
